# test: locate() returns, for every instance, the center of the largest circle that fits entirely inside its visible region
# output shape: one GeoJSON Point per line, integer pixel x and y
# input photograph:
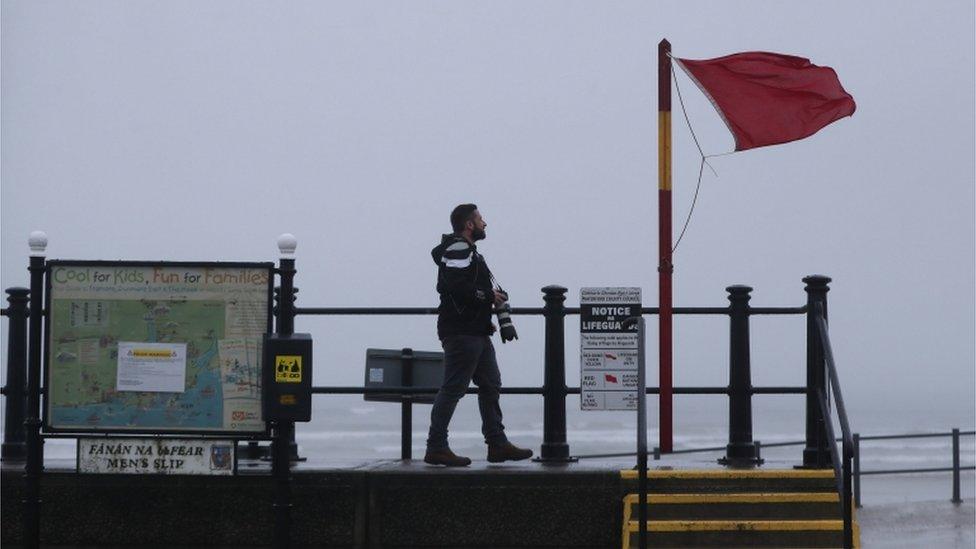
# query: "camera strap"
{"type": "Point", "coordinates": [493, 281]}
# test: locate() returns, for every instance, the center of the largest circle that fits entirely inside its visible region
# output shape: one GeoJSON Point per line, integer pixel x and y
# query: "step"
{"type": "Point", "coordinates": [737, 506]}
{"type": "Point", "coordinates": [664, 481]}
{"type": "Point", "coordinates": [731, 473]}
{"type": "Point", "coordinates": [740, 533]}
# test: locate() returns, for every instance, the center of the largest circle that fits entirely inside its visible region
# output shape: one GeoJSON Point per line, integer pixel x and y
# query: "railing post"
{"type": "Point", "coordinates": [740, 451]}
{"type": "Point", "coordinates": [406, 404]}
{"type": "Point", "coordinates": [254, 450]}
{"type": "Point", "coordinates": [955, 467]}
{"type": "Point", "coordinates": [857, 469]}
{"type": "Point", "coordinates": [287, 322]}
{"type": "Point", "coordinates": [283, 431]}
{"type": "Point", "coordinates": [847, 497]}
{"type": "Point", "coordinates": [554, 446]}
{"type": "Point", "coordinates": [275, 309]}
{"type": "Point", "coordinates": [816, 454]}
{"type": "Point", "coordinates": [281, 471]}
{"type": "Point", "coordinates": [286, 272]}
{"type": "Point", "coordinates": [32, 423]}
{"type": "Point", "coordinates": [14, 446]}
{"type": "Point", "coordinates": [641, 432]}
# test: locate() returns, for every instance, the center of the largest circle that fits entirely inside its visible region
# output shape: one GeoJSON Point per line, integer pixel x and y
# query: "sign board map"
{"type": "Point", "coordinates": [608, 353]}
{"type": "Point", "coordinates": [164, 347]}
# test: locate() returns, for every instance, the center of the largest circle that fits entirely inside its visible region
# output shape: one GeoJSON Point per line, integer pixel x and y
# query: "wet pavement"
{"type": "Point", "coordinates": [928, 524]}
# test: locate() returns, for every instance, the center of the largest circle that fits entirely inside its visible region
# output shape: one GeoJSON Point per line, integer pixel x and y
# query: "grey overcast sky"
{"type": "Point", "coordinates": [185, 130]}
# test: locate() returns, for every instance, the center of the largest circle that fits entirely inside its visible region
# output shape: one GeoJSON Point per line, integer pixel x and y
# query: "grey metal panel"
{"type": "Point", "coordinates": [384, 368]}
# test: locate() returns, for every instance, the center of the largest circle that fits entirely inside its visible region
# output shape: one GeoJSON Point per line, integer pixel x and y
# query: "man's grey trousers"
{"type": "Point", "coordinates": [467, 358]}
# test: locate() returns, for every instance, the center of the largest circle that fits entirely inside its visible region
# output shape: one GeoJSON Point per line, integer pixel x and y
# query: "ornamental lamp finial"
{"type": "Point", "coordinates": [287, 244]}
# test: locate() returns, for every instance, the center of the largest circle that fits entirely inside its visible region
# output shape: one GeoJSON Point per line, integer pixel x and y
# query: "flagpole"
{"type": "Point", "coordinates": [665, 267]}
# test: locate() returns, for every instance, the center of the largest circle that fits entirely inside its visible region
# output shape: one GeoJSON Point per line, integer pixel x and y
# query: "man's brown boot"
{"type": "Point", "coordinates": [445, 457]}
{"type": "Point", "coordinates": [507, 451]}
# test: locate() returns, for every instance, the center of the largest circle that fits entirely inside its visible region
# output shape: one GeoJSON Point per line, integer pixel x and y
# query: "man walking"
{"type": "Point", "coordinates": [464, 327]}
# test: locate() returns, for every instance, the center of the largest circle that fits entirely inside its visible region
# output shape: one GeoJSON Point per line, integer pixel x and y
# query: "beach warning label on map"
{"type": "Point", "coordinates": [151, 367]}
{"type": "Point", "coordinates": [608, 352]}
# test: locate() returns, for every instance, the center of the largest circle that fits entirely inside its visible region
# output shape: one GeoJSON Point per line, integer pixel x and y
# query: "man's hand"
{"type": "Point", "coordinates": [500, 297]}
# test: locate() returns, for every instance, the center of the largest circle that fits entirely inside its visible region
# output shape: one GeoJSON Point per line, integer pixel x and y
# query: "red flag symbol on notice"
{"type": "Point", "coordinates": [770, 98]}
{"type": "Point", "coordinates": [610, 378]}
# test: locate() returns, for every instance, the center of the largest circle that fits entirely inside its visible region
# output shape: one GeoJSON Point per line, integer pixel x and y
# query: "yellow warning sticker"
{"type": "Point", "coordinates": [153, 353]}
{"type": "Point", "coordinates": [288, 368]}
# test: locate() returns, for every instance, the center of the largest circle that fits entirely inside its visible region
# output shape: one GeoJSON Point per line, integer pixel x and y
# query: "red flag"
{"type": "Point", "coordinates": [610, 379]}
{"type": "Point", "coordinates": [769, 98]}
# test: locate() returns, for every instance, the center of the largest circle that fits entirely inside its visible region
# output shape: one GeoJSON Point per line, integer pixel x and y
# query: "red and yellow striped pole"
{"type": "Point", "coordinates": [665, 267]}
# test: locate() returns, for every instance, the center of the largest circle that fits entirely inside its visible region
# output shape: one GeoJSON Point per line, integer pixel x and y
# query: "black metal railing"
{"type": "Point", "coordinates": [956, 468]}
{"type": "Point", "coordinates": [554, 389]}
{"type": "Point", "coordinates": [23, 441]}
{"type": "Point", "coordinates": [842, 461]}
{"type": "Point", "coordinates": [822, 381]}
{"type": "Point", "coordinates": [23, 393]}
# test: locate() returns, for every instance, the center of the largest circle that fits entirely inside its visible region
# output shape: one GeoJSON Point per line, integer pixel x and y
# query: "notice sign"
{"type": "Point", "coordinates": [608, 352]}
{"type": "Point", "coordinates": [151, 367]}
{"type": "Point", "coordinates": [155, 456]}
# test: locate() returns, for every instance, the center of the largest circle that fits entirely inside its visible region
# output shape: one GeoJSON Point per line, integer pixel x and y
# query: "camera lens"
{"type": "Point", "coordinates": [505, 326]}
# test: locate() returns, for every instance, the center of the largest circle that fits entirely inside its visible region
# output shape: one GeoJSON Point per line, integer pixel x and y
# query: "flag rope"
{"type": "Point", "coordinates": [701, 167]}
{"type": "Point", "coordinates": [674, 77]}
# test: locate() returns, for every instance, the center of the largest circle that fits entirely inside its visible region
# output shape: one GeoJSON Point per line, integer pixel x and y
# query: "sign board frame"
{"type": "Point", "coordinates": [47, 428]}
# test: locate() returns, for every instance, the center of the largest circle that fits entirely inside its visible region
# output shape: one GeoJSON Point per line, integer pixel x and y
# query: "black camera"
{"type": "Point", "coordinates": [505, 326]}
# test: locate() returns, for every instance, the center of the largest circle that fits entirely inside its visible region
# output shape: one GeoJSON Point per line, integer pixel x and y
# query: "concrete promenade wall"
{"type": "Point", "coordinates": [381, 504]}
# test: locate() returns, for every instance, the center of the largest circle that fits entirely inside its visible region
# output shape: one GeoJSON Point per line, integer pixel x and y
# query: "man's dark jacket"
{"type": "Point", "coordinates": [464, 282]}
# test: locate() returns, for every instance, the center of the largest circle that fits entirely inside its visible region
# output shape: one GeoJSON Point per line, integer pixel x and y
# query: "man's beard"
{"type": "Point", "coordinates": [478, 234]}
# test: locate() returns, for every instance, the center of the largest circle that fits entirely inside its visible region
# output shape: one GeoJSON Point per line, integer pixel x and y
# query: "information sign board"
{"type": "Point", "coordinates": [156, 347]}
{"type": "Point", "coordinates": [608, 352]}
